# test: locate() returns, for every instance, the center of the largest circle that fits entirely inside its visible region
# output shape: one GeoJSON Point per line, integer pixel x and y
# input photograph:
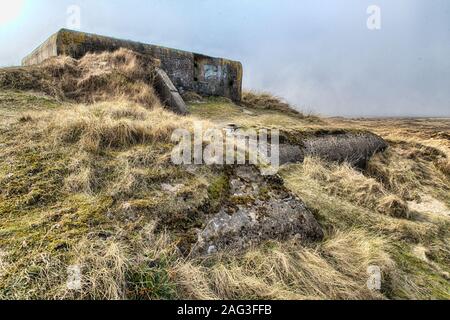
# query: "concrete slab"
{"type": "Point", "coordinates": [167, 92]}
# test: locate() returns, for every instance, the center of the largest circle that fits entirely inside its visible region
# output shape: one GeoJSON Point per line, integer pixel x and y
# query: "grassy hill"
{"type": "Point", "coordinates": [86, 180]}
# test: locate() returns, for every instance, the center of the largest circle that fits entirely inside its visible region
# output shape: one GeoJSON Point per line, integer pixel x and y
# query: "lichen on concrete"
{"type": "Point", "coordinates": [188, 71]}
{"type": "Point", "coordinates": [258, 209]}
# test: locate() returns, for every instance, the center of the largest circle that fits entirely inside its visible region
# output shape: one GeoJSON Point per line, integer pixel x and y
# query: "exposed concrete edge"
{"type": "Point", "coordinates": [44, 51]}
{"type": "Point", "coordinates": [168, 93]}
{"type": "Point", "coordinates": [354, 148]}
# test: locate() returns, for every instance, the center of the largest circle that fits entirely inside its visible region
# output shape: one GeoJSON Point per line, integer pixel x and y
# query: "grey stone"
{"type": "Point", "coordinates": [278, 215]}
{"type": "Point", "coordinates": [291, 154]}
{"type": "Point", "coordinates": [168, 93]}
{"type": "Point", "coordinates": [355, 148]}
{"type": "Point", "coordinates": [212, 250]}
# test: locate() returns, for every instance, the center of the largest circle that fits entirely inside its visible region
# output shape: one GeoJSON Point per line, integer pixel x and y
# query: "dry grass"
{"type": "Point", "coordinates": [394, 206]}
{"type": "Point", "coordinates": [406, 169]}
{"type": "Point", "coordinates": [192, 97]}
{"type": "Point", "coordinates": [120, 125]}
{"type": "Point", "coordinates": [346, 182]}
{"type": "Point", "coordinates": [103, 267]}
{"type": "Point", "coordinates": [223, 112]}
{"type": "Point", "coordinates": [266, 101]}
{"type": "Point", "coordinates": [133, 253]}
{"type": "Point", "coordinates": [94, 78]}
{"type": "Point", "coordinates": [336, 269]}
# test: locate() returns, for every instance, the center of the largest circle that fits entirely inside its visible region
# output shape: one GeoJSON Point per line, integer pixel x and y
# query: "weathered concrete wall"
{"type": "Point", "coordinates": [46, 50]}
{"type": "Point", "coordinates": [354, 148]}
{"type": "Point", "coordinates": [188, 71]}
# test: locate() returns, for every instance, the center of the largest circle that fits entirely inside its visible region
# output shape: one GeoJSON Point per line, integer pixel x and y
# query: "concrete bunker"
{"type": "Point", "coordinates": [187, 71]}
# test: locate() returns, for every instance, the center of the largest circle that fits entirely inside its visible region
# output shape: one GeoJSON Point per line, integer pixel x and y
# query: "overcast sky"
{"type": "Point", "coordinates": [318, 54]}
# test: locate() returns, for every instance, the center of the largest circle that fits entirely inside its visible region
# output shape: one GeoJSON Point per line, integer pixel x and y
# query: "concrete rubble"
{"type": "Point", "coordinates": [258, 210]}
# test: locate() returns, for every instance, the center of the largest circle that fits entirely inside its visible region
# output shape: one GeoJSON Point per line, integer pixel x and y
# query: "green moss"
{"type": "Point", "coordinates": [218, 189]}
{"type": "Point", "coordinates": [264, 192]}
{"type": "Point", "coordinates": [242, 200]}
{"type": "Point", "coordinates": [428, 282]}
{"type": "Point", "coordinates": [215, 109]}
{"type": "Point", "coordinates": [67, 38]}
{"type": "Point", "coordinates": [36, 180]}
{"type": "Point", "coordinates": [151, 281]}
{"type": "Point", "coordinates": [18, 101]}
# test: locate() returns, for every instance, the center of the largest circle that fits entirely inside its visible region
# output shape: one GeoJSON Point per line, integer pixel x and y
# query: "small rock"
{"type": "Point", "coordinates": [128, 212]}
{"type": "Point", "coordinates": [249, 174]}
{"type": "Point", "coordinates": [421, 253]}
{"type": "Point", "coordinates": [237, 187]}
{"type": "Point", "coordinates": [171, 188]}
{"type": "Point", "coordinates": [212, 250]}
{"type": "Point", "coordinates": [126, 206]}
{"type": "Point", "coordinates": [109, 215]}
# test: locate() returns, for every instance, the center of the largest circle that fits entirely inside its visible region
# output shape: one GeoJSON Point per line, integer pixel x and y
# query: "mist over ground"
{"type": "Point", "coordinates": [319, 55]}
